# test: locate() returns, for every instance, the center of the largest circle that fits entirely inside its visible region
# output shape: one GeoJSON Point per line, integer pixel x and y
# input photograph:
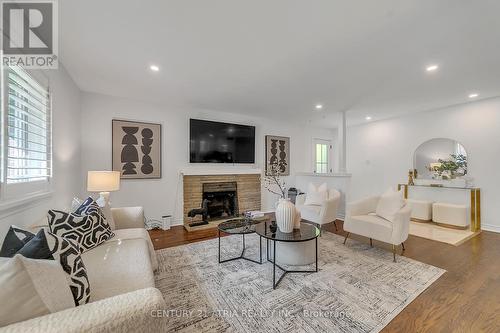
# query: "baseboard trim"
{"type": "Point", "coordinates": [490, 227]}
{"type": "Point", "coordinates": [178, 221]}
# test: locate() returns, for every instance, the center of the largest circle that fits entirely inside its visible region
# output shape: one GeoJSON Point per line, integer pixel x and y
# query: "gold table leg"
{"type": "Point", "coordinates": [475, 210]}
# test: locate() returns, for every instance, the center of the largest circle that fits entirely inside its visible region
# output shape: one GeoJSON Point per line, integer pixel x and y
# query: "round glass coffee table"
{"type": "Point", "coordinates": [307, 232]}
{"type": "Point", "coordinates": [240, 226]}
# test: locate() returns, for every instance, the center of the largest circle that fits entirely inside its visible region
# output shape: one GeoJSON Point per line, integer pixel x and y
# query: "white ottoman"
{"type": "Point", "coordinates": [420, 209]}
{"type": "Point", "coordinates": [454, 215]}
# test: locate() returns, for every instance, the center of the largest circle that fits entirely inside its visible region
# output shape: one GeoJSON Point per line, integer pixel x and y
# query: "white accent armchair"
{"type": "Point", "coordinates": [361, 220]}
{"type": "Point", "coordinates": [320, 214]}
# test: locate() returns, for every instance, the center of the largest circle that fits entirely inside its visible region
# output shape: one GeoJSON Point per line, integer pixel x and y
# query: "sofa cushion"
{"type": "Point", "coordinates": [118, 267]}
{"type": "Point", "coordinates": [137, 233]}
{"type": "Point", "coordinates": [372, 226]}
{"type": "Point", "coordinates": [389, 204]}
{"type": "Point", "coordinates": [128, 217]}
{"type": "Point", "coordinates": [14, 240]}
{"type": "Point", "coordinates": [130, 312]}
{"type": "Point", "coordinates": [30, 288]}
{"type": "Point", "coordinates": [316, 195]}
{"type": "Point", "coordinates": [46, 245]}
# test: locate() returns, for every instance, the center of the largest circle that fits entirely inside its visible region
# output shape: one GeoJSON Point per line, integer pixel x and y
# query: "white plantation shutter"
{"type": "Point", "coordinates": [28, 131]}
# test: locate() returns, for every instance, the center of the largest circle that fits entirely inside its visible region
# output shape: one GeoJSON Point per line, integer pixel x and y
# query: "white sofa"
{"type": "Point", "coordinates": [320, 214]}
{"type": "Point", "coordinates": [361, 220]}
{"type": "Point", "coordinates": [123, 293]}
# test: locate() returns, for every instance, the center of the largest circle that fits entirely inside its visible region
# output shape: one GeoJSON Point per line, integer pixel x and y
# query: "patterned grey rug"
{"type": "Point", "coordinates": [358, 288]}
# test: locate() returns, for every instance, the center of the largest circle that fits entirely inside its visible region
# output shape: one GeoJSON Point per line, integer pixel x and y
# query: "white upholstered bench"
{"type": "Point", "coordinates": [450, 214]}
{"type": "Point", "coordinates": [420, 209]}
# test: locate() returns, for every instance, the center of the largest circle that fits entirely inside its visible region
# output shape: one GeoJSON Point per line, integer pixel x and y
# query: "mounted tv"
{"type": "Point", "coordinates": [215, 142]}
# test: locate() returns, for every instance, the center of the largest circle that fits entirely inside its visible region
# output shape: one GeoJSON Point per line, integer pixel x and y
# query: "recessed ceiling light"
{"type": "Point", "coordinates": [154, 68]}
{"type": "Point", "coordinates": [319, 106]}
{"type": "Point", "coordinates": [368, 118]}
{"type": "Point", "coordinates": [431, 68]}
{"type": "Point", "coordinates": [473, 95]}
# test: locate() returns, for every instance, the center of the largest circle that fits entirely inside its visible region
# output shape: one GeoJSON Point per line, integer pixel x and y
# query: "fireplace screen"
{"type": "Point", "coordinates": [222, 199]}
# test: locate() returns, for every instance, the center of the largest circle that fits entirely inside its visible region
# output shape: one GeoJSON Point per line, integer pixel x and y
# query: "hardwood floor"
{"type": "Point", "coordinates": [465, 299]}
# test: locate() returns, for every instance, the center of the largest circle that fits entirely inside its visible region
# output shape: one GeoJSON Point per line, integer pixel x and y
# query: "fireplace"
{"type": "Point", "coordinates": [217, 197]}
{"type": "Point", "coordinates": [222, 199]}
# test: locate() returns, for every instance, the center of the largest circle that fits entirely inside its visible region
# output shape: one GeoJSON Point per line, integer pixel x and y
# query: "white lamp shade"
{"type": "Point", "coordinates": [103, 181]}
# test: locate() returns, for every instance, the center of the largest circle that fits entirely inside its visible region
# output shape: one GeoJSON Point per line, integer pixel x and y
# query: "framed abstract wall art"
{"type": "Point", "coordinates": [278, 154]}
{"type": "Point", "coordinates": [136, 149]}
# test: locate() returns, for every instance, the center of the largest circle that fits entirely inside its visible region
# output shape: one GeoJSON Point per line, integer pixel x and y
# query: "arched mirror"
{"type": "Point", "coordinates": [443, 159]}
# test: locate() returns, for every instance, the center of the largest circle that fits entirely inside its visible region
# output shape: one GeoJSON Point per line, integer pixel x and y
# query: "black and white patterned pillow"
{"type": "Point", "coordinates": [88, 230]}
{"type": "Point", "coordinates": [46, 245]}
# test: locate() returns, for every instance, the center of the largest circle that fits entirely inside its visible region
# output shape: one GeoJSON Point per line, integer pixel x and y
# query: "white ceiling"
{"type": "Point", "coordinates": [280, 57]}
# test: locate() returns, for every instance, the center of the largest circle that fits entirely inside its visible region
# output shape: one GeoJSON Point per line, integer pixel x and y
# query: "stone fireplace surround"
{"type": "Point", "coordinates": [248, 191]}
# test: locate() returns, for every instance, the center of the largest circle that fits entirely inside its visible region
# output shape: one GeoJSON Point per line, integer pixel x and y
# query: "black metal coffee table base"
{"type": "Point", "coordinates": [242, 256]}
{"type": "Point", "coordinates": [286, 271]}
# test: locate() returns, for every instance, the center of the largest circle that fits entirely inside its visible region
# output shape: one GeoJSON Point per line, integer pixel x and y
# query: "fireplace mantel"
{"type": "Point", "coordinates": [210, 172]}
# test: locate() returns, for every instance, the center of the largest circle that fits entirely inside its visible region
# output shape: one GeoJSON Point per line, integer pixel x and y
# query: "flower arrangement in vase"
{"type": "Point", "coordinates": [455, 166]}
{"type": "Point", "coordinates": [287, 216]}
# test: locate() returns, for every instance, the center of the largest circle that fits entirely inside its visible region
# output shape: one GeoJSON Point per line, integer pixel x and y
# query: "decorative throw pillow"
{"type": "Point", "coordinates": [86, 206]}
{"type": "Point", "coordinates": [46, 245]}
{"type": "Point", "coordinates": [389, 204]}
{"type": "Point", "coordinates": [37, 247]}
{"type": "Point", "coordinates": [82, 209]}
{"type": "Point", "coordinates": [15, 239]}
{"type": "Point", "coordinates": [30, 288]}
{"type": "Point", "coordinates": [88, 230]}
{"type": "Point", "coordinates": [316, 195]}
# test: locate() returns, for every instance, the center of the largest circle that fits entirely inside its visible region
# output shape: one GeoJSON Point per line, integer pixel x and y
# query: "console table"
{"type": "Point", "coordinates": [469, 196]}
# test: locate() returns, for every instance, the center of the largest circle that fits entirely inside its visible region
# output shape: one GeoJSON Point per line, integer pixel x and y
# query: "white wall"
{"type": "Point", "coordinates": [380, 153]}
{"type": "Point", "coordinates": [164, 196]}
{"type": "Point", "coordinates": [67, 181]}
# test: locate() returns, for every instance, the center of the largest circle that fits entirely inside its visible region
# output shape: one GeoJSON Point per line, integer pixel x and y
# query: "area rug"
{"type": "Point", "coordinates": [440, 234]}
{"type": "Point", "coordinates": [357, 288]}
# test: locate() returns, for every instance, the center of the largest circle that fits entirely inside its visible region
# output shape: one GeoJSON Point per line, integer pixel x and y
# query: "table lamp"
{"type": "Point", "coordinates": [103, 182]}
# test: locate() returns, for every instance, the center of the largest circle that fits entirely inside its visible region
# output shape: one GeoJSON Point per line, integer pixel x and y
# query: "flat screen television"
{"type": "Point", "coordinates": [215, 142]}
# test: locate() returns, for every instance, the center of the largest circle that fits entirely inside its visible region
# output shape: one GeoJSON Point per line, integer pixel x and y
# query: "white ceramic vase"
{"type": "Point", "coordinates": [286, 216]}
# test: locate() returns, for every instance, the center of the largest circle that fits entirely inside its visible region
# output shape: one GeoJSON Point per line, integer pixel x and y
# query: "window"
{"type": "Point", "coordinates": [322, 150]}
{"type": "Point", "coordinates": [26, 132]}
